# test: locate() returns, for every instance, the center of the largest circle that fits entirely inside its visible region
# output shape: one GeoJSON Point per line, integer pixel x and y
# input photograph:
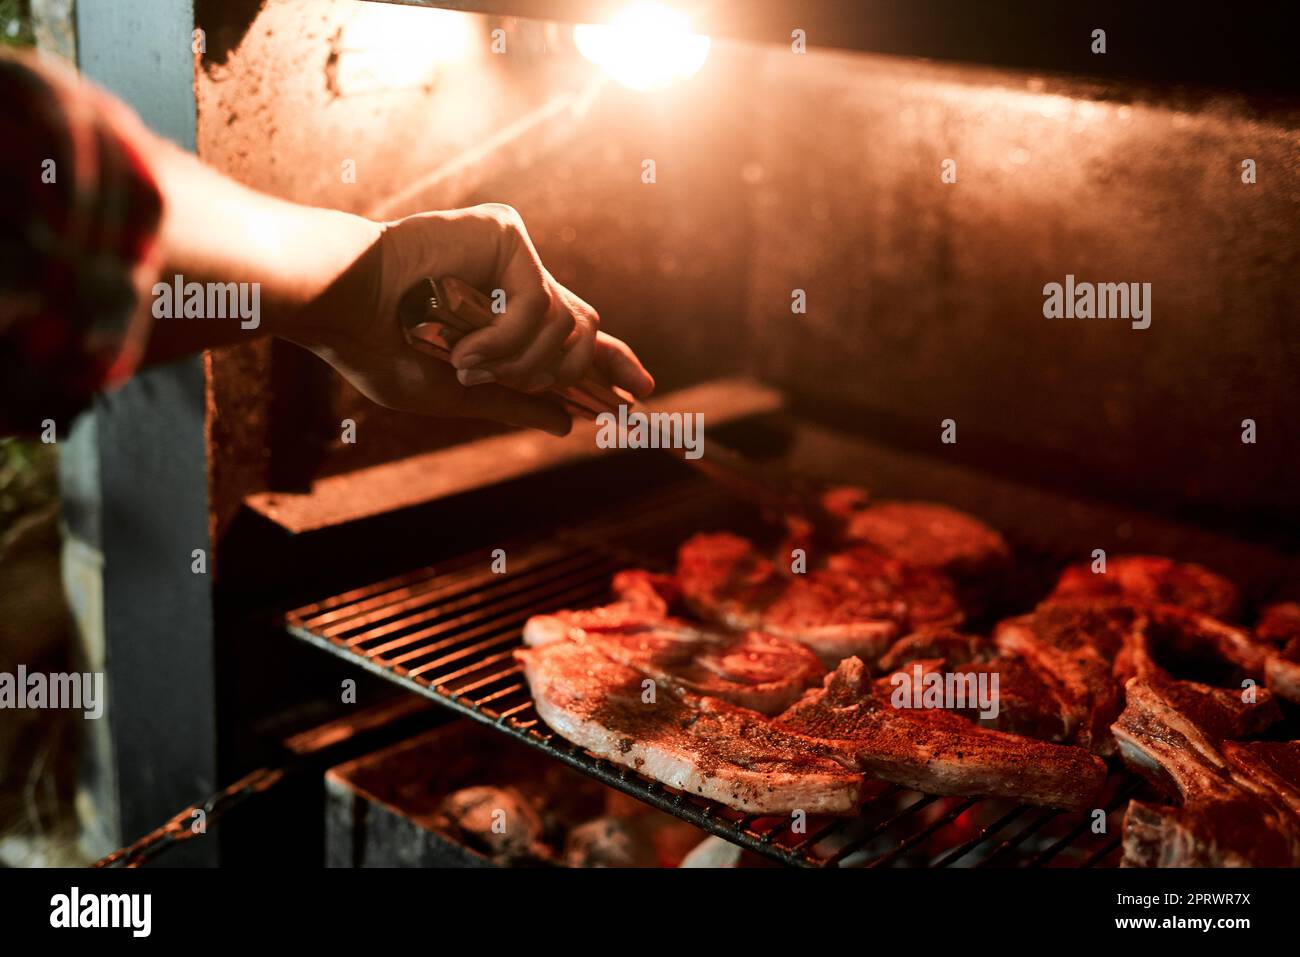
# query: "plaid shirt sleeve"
{"type": "Point", "coordinates": [78, 218]}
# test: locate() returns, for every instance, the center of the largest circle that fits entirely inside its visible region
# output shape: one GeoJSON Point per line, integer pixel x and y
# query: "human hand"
{"type": "Point", "coordinates": [546, 337]}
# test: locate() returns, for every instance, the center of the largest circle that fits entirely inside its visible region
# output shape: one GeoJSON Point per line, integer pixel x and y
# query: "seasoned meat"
{"type": "Point", "coordinates": [1061, 669]}
{"type": "Point", "coordinates": [929, 596]}
{"type": "Point", "coordinates": [1071, 648]}
{"type": "Point", "coordinates": [936, 751]}
{"type": "Point", "coordinates": [647, 591]}
{"type": "Point", "coordinates": [1279, 632]}
{"type": "Point", "coordinates": [844, 502]}
{"type": "Point", "coordinates": [947, 645]}
{"type": "Point", "coordinates": [812, 757]}
{"type": "Point", "coordinates": [751, 669]}
{"type": "Point", "coordinates": [931, 536]}
{"type": "Point", "coordinates": [856, 605]}
{"type": "Point", "coordinates": [1237, 804]}
{"type": "Point", "coordinates": [1026, 703]}
{"type": "Point", "coordinates": [1149, 579]}
{"type": "Point", "coordinates": [1279, 624]}
{"type": "Point", "coordinates": [1204, 644]}
{"type": "Point", "coordinates": [1196, 645]}
{"type": "Point", "coordinates": [1083, 650]}
{"type": "Point", "coordinates": [703, 746]}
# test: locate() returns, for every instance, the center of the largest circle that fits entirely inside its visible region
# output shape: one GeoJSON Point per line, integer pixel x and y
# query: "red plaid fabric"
{"type": "Point", "coordinates": [78, 217]}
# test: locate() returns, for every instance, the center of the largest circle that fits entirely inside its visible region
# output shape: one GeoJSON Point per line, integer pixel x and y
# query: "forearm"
{"type": "Point", "coordinates": [215, 230]}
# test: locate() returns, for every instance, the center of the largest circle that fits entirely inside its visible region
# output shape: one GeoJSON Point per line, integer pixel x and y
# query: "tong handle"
{"type": "Point", "coordinates": [437, 313]}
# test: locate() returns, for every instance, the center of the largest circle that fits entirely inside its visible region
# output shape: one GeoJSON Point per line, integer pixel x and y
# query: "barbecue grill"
{"type": "Point", "coordinates": [446, 632]}
{"type": "Point", "coordinates": [778, 172]}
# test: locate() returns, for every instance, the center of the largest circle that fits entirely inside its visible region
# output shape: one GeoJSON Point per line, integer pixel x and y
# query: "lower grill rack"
{"type": "Point", "coordinates": [448, 633]}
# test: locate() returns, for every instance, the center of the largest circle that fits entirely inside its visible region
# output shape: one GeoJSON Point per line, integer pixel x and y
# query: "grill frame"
{"type": "Point", "coordinates": [474, 618]}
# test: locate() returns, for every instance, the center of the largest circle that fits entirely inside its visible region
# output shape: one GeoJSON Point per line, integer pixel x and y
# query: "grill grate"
{"type": "Point", "coordinates": [447, 632]}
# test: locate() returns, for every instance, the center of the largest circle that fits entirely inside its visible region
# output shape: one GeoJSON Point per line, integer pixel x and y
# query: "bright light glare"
{"type": "Point", "coordinates": [390, 47]}
{"type": "Point", "coordinates": [646, 45]}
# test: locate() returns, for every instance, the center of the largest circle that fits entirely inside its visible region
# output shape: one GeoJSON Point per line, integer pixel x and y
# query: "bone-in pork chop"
{"type": "Point", "coordinates": [931, 536]}
{"type": "Point", "coordinates": [751, 669]}
{"type": "Point", "coordinates": [1238, 804]}
{"type": "Point", "coordinates": [1196, 645]}
{"type": "Point", "coordinates": [856, 606]}
{"type": "Point", "coordinates": [1085, 649]}
{"type": "Point", "coordinates": [1150, 579]}
{"type": "Point", "coordinates": [1072, 648]}
{"type": "Point", "coordinates": [937, 751]}
{"type": "Point", "coordinates": [703, 746]}
{"type": "Point", "coordinates": [1278, 630]}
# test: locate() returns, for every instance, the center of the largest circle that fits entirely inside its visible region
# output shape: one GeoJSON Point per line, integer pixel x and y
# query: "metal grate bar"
{"type": "Point", "coordinates": [449, 632]}
{"type": "Point", "coordinates": [961, 850]}
{"type": "Point", "coordinates": [494, 591]}
{"type": "Point", "coordinates": [487, 627]}
{"type": "Point", "coordinates": [1103, 852]}
{"type": "Point", "coordinates": [324, 615]}
{"type": "Point", "coordinates": [922, 802]}
{"type": "Point", "coordinates": [1013, 842]}
{"type": "Point", "coordinates": [918, 836]}
{"type": "Point", "coordinates": [1073, 834]}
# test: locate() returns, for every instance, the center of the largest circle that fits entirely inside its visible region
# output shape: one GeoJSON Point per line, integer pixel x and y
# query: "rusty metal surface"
{"type": "Point", "coordinates": [821, 172]}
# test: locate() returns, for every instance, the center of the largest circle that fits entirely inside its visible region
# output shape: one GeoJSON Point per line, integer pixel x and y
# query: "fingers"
{"type": "Point", "coordinates": [526, 315]}
{"type": "Point", "coordinates": [619, 364]}
{"type": "Point", "coordinates": [579, 353]}
{"type": "Point", "coordinates": [529, 301]}
{"type": "Point", "coordinates": [533, 369]}
{"type": "Point", "coordinates": [544, 337]}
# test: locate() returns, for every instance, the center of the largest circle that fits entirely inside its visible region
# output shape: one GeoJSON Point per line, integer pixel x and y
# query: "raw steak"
{"type": "Point", "coordinates": [937, 751]}
{"type": "Point", "coordinates": [700, 745]}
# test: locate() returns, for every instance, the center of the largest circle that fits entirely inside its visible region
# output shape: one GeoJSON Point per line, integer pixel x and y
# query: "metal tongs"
{"type": "Point", "coordinates": [437, 313]}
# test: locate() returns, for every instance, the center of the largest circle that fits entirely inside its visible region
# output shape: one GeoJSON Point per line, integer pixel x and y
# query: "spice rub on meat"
{"type": "Point", "coordinates": [1084, 650]}
{"type": "Point", "coordinates": [856, 603]}
{"type": "Point", "coordinates": [704, 746]}
{"type": "Point", "coordinates": [1236, 803]}
{"type": "Point", "coordinates": [932, 536]}
{"type": "Point", "coordinates": [1150, 579]}
{"type": "Point", "coordinates": [937, 751]}
{"type": "Point", "coordinates": [1173, 641]}
{"type": "Point", "coordinates": [752, 669]}
{"type": "Point", "coordinates": [1071, 648]}
{"type": "Point", "coordinates": [1027, 704]}
{"type": "Point", "coordinates": [713, 680]}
